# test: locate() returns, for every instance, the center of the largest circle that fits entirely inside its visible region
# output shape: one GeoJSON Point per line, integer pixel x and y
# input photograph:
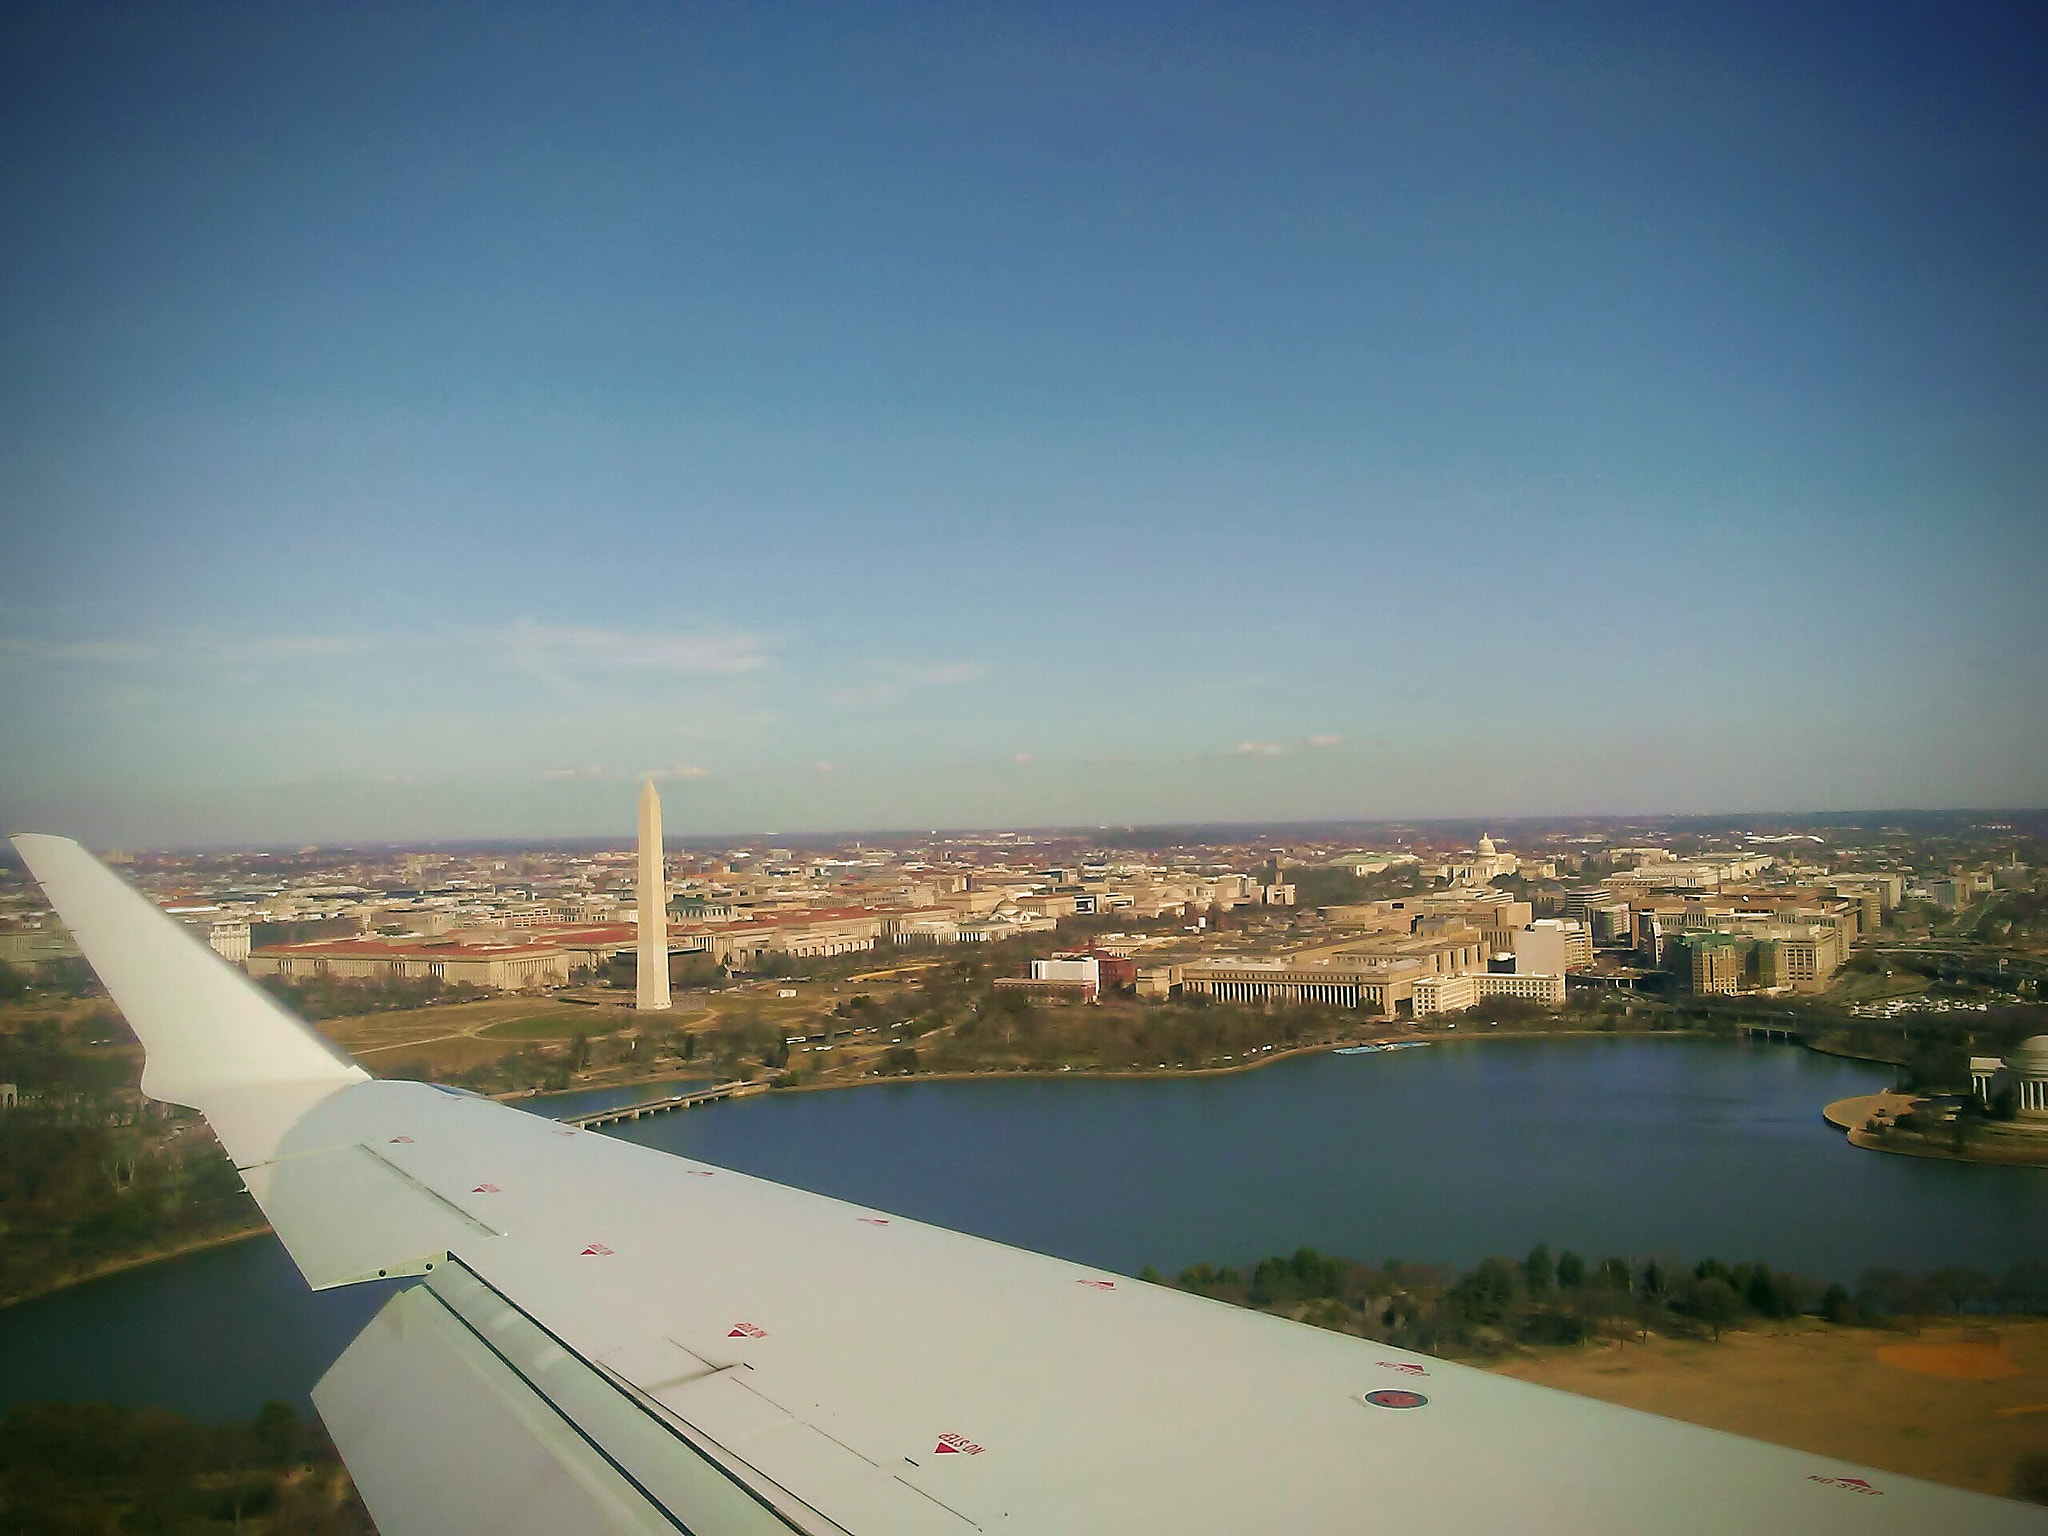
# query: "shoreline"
{"type": "Point", "coordinates": [999, 1074]}
{"type": "Point", "coordinates": [1130, 1073]}
{"type": "Point", "coordinates": [1851, 1114]}
{"type": "Point", "coordinates": [1839, 1055]}
{"type": "Point", "coordinates": [1264, 1059]}
{"type": "Point", "coordinates": [137, 1261]}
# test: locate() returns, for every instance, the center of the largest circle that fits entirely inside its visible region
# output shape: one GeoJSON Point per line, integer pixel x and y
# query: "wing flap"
{"type": "Point", "coordinates": [565, 1420]}
{"type": "Point", "coordinates": [503, 1461]}
{"type": "Point", "coordinates": [393, 1225]}
{"type": "Point", "coordinates": [809, 1464]}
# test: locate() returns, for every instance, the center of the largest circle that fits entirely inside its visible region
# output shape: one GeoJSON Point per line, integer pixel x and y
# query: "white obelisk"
{"type": "Point", "coordinates": [653, 987]}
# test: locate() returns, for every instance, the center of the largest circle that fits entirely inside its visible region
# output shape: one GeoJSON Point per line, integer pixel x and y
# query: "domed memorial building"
{"type": "Point", "coordinates": [2025, 1072]}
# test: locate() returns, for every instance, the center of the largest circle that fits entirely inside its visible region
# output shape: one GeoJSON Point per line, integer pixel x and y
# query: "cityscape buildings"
{"type": "Point", "coordinates": [1435, 926]}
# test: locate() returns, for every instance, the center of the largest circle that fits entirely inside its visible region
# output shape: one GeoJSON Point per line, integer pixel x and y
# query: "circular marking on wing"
{"type": "Point", "coordinates": [1394, 1397]}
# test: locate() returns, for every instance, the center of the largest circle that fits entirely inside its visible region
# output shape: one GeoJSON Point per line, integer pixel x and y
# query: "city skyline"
{"type": "Point", "coordinates": [421, 426]}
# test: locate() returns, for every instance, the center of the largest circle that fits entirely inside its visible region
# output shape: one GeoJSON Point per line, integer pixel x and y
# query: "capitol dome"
{"type": "Point", "coordinates": [1487, 849]}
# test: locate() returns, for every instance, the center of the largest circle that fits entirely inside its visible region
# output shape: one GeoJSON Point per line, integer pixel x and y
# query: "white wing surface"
{"type": "Point", "coordinates": [609, 1338]}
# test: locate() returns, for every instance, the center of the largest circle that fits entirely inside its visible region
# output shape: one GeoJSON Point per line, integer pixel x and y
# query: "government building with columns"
{"type": "Point", "coordinates": [2025, 1072]}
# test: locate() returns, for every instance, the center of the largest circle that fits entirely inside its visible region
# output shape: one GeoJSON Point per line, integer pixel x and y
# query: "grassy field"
{"type": "Point", "coordinates": [424, 1042]}
{"type": "Point", "coordinates": [558, 1024]}
{"type": "Point", "coordinates": [1874, 986]}
{"type": "Point", "coordinates": [1954, 1405]}
{"type": "Point", "coordinates": [452, 1037]}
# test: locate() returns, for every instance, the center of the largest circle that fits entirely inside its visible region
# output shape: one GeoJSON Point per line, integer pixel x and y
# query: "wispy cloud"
{"type": "Point", "coordinates": [1263, 749]}
{"type": "Point", "coordinates": [554, 646]}
{"type": "Point", "coordinates": [22, 650]}
{"type": "Point", "coordinates": [1242, 749]}
{"type": "Point", "coordinates": [294, 647]}
{"type": "Point", "coordinates": [888, 681]}
{"type": "Point", "coordinates": [200, 647]}
{"type": "Point", "coordinates": [564, 656]}
{"type": "Point", "coordinates": [678, 772]}
{"type": "Point", "coordinates": [1021, 759]}
{"type": "Point", "coordinates": [940, 673]}
{"type": "Point", "coordinates": [580, 648]}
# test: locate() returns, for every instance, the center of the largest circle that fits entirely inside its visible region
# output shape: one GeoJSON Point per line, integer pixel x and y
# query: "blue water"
{"type": "Point", "coordinates": [1626, 1146]}
{"type": "Point", "coordinates": [215, 1334]}
{"type": "Point", "coordinates": [1630, 1146]}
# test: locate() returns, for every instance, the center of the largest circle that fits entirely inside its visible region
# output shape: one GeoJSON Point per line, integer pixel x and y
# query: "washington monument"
{"type": "Point", "coordinates": [653, 979]}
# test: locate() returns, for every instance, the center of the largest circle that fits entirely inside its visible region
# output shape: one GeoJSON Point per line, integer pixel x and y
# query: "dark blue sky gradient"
{"type": "Point", "coordinates": [419, 423]}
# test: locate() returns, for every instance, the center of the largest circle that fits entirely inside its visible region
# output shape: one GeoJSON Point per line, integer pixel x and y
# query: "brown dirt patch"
{"type": "Point", "coordinates": [1826, 1390]}
{"type": "Point", "coordinates": [1957, 1359]}
{"type": "Point", "coordinates": [1852, 1114]}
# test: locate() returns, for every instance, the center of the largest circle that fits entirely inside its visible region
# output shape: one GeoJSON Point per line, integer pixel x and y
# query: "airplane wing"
{"type": "Point", "coordinates": [606, 1338]}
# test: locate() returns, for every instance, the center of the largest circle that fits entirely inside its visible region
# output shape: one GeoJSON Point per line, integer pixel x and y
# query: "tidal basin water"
{"type": "Point", "coordinates": [1631, 1146]}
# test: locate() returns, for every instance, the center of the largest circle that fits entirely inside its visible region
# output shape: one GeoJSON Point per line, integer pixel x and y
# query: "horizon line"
{"type": "Point", "coordinates": [1076, 830]}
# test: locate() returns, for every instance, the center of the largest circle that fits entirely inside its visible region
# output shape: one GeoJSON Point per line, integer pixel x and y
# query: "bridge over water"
{"type": "Point", "coordinates": [675, 1101]}
{"type": "Point", "coordinates": [1789, 1034]}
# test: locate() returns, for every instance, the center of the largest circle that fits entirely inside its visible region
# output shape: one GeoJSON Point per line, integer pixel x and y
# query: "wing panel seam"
{"type": "Point", "coordinates": [606, 1377]}
{"type": "Point", "coordinates": [433, 1194]}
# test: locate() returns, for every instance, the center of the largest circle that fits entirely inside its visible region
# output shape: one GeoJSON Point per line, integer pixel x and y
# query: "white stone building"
{"type": "Point", "coordinates": [2025, 1070]}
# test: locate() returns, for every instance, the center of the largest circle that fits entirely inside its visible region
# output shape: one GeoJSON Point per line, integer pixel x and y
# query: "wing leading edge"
{"type": "Point", "coordinates": [640, 1341]}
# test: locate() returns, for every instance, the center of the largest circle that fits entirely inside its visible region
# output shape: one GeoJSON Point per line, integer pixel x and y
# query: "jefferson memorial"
{"type": "Point", "coordinates": [2025, 1071]}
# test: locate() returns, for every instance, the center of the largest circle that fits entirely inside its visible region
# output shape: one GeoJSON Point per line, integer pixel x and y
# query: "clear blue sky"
{"type": "Point", "coordinates": [417, 422]}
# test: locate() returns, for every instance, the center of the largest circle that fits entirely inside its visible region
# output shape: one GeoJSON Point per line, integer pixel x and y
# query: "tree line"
{"type": "Point", "coordinates": [314, 998]}
{"type": "Point", "coordinates": [98, 1468]}
{"type": "Point", "coordinates": [1566, 1298]}
{"type": "Point", "coordinates": [79, 1190]}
